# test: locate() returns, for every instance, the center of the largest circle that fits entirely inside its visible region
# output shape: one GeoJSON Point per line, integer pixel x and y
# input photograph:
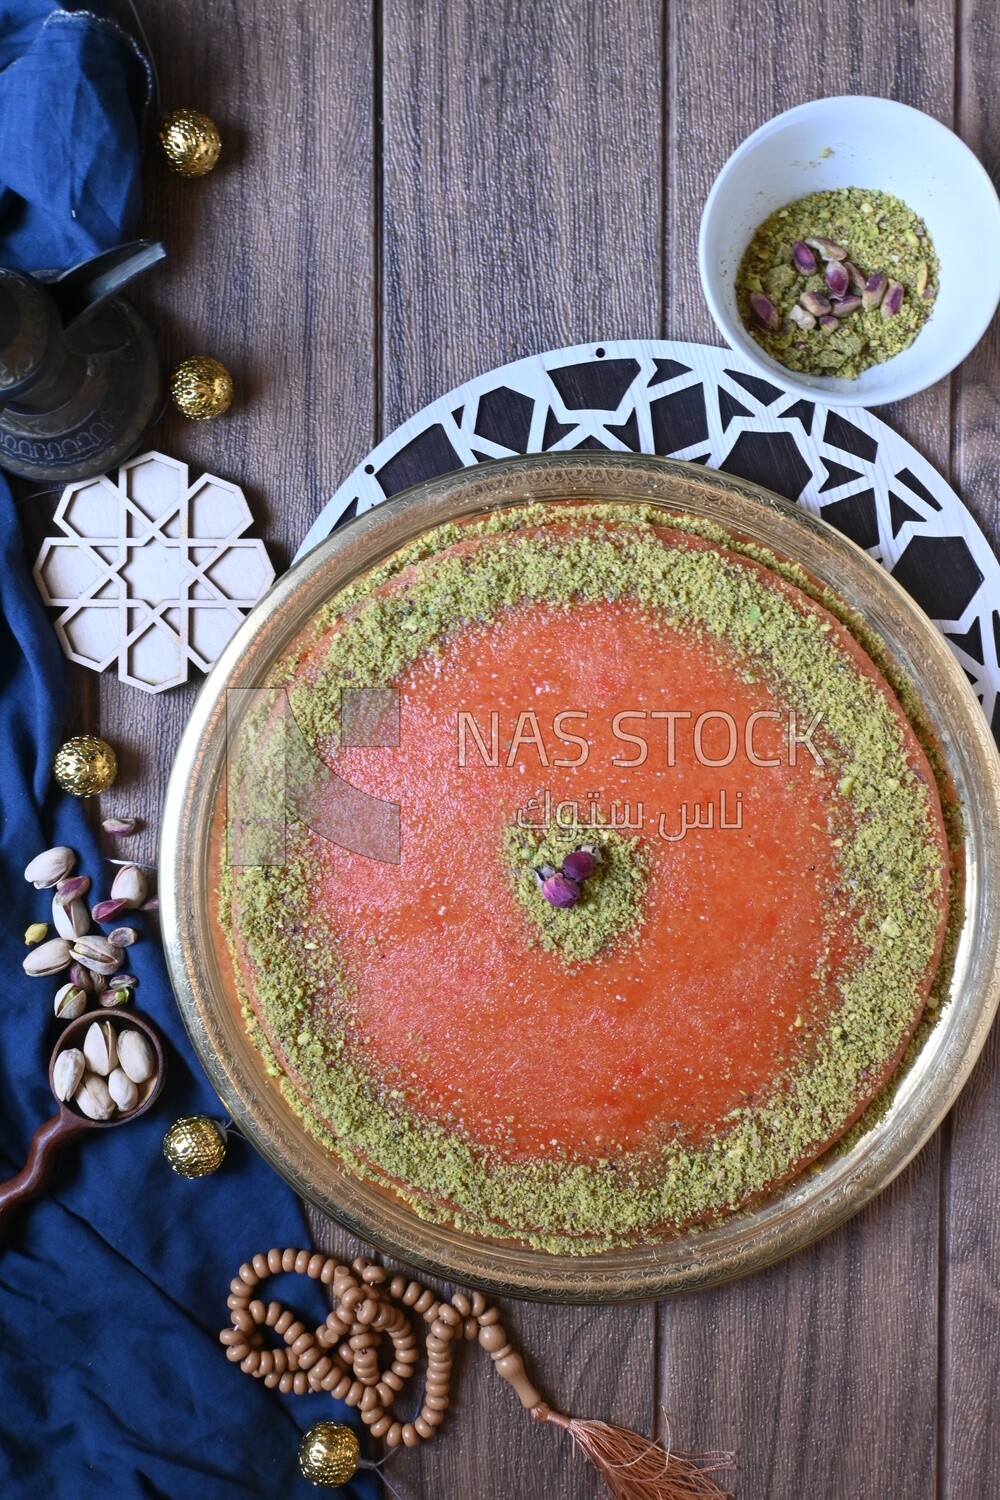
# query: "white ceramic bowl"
{"type": "Point", "coordinates": [871, 143]}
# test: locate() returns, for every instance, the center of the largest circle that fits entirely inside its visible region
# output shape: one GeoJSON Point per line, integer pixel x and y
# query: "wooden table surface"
{"type": "Point", "coordinates": [414, 191]}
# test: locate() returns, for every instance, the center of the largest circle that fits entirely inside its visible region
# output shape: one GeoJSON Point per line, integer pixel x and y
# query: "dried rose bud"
{"type": "Point", "coordinates": [106, 911]}
{"type": "Point", "coordinates": [893, 299]}
{"type": "Point", "coordinates": [579, 865]}
{"type": "Point", "coordinates": [815, 303]}
{"type": "Point", "coordinates": [874, 290]}
{"type": "Point", "coordinates": [829, 249]}
{"type": "Point", "coordinates": [845, 306]}
{"type": "Point", "coordinates": [764, 311]}
{"type": "Point", "coordinates": [803, 258]}
{"type": "Point", "coordinates": [837, 279]}
{"type": "Point", "coordinates": [559, 891]}
{"type": "Point", "coordinates": [828, 323]}
{"type": "Point", "coordinates": [119, 828]}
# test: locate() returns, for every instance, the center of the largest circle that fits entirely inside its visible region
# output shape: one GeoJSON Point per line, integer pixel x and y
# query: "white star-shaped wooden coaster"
{"type": "Point", "coordinates": [151, 571]}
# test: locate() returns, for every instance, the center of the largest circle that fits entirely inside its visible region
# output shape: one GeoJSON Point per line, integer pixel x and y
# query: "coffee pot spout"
{"type": "Point", "coordinates": [83, 289]}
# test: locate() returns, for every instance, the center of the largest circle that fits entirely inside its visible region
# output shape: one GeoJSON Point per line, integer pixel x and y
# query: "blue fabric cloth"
{"type": "Point", "coordinates": [72, 91]}
{"type": "Point", "coordinates": [112, 1287]}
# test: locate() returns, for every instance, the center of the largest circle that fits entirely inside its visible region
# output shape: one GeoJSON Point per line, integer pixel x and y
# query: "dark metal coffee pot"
{"type": "Point", "coordinates": [81, 379]}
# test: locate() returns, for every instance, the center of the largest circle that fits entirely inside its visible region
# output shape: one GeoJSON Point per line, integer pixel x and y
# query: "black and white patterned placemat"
{"type": "Point", "coordinates": [696, 402]}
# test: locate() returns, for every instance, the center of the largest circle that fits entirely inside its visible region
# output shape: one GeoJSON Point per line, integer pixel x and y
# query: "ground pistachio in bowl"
{"type": "Point", "coordinates": [837, 282]}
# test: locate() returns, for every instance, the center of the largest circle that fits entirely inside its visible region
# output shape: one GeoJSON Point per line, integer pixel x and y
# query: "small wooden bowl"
{"type": "Point", "coordinates": [68, 1121]}
{"type": "Point", "coordinates": [122, 1020]}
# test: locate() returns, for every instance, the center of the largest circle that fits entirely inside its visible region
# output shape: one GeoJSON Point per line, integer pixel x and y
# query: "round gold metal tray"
{"type": "Point", "coordinates": [842, 1181]}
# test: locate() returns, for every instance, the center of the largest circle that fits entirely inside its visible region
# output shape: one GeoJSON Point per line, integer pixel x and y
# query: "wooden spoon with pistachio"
{"type": "Point", "coordinates": [106, 1069]}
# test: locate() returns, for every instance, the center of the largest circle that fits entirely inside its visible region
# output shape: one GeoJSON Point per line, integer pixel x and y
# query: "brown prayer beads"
{"type": "Point", "coordinates": [341, 1355]}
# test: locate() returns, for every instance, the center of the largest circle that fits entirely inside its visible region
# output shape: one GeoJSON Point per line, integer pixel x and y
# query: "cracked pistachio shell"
{"type": "Point", "coordinates": [67, 1073]}
{"type": "Point", "coordinates": [50, 867]}
{"type": "Point", "coordinates": [48, 958]}
{"type": "Point", "coordinates": [71, 921]}
{"type": "Point", "coordinates": [93, 1099]}
{"type": "Point", "coordinates": [70, 1002]}
{"type": "Point", "coordinates": [98, 954]}
{"type": "Point", "coordinates": [130, 885]}
{"type": "Point", "coordinates": [100, 1047]}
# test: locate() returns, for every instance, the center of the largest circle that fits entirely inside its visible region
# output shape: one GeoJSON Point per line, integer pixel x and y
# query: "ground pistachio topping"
{"type": "Point", "coordinates": [837, 281]}
{"type": "Point", "coordinates": [609, 909]}
{"type": "Point", "coordinates": [290, 970]}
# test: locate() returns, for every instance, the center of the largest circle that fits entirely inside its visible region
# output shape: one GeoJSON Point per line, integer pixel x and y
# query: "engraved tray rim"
{"type": "Point", "coordinates": [827, 1194]}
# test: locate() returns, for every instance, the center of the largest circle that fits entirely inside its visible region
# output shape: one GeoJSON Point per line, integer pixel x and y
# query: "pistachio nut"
{"type": "Point", "coordinates": [70, 1002]}
{"type": "Point", "coordinates": [49, 868]}
{"type": "Point", "coordinates": [72, 920]}
{"type": "Point", "coordinates": [67, 1073]}
{"type": "Point", "coordinates": [69, 890]}
{"type": "Point", "coordinates": [130, 885]}
{"type": "Point", "coordinates": [119, 828]}
{"type": "Point", "coordinates": [110, 999]}
{"type": "Point", "coordinates": [81, 977]}
{"type": "Point", "coordinates": [122, 1090]}
{"type": "Point", "coordinates": [106, 911]}
{"type": "Point", "coordinates": [764, 310]}
{"type": "Point", "coordinates": [93, 1099]}
{"type": "Point", "coordinates": [893, 299]}
{"type": "Point", "coordinates": [123, 937]}
{"type": "Point", "coordinates": [97, 954]}
{"type": "Point", "coordinates": [48, 958]}
{"type": "Point", "coordinates": [135, 1056]}
{"type": "Point", "coordinates": [100, 1047]}
{"type": "Point", "coordinates": [35, 932]}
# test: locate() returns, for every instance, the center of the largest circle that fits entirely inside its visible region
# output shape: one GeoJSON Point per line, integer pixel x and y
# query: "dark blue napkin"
{"type": "Point", "coordinates": [113, 1287]}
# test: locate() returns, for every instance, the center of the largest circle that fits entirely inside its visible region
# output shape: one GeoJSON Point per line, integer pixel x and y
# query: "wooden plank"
{"type": "Point", "coordinates": [522, 184]}
{"type": "Point", "coordinates": [970, 1360]}
{"type": "Point", "coordinates": [823, 1371]}
{"type": "Point", "coordinates": [489, 1447]}
{"type": "Point", "coordinates": [522, 210]}
{"type": "Point", "coordinates": [782, 56]}
{"type": "Point", "coordinates": [272, 270]}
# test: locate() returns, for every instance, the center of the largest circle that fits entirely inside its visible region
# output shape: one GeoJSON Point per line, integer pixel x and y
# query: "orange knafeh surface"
{"type": "Point", "coordinates": [727, 804]}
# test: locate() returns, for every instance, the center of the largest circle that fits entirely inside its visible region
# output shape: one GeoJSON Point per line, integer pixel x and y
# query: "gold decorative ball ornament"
{"type": "Point", "coordinates": [190, 141]}
{"type": "Point", "coordinates": [195, 1146]}
{"type": "Point", "coordinates": [329, 1454]}
{"type": "Point", "coordinates": [85, 765]}
{"type": "Point", "coordinates": [201, 388]}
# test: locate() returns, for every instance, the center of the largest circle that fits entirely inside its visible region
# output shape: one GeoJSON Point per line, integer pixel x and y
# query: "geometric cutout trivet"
{"type": "Point", "coordinates": [698, 402]}
{"type": "Point", "coordinates": [151, 571]}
